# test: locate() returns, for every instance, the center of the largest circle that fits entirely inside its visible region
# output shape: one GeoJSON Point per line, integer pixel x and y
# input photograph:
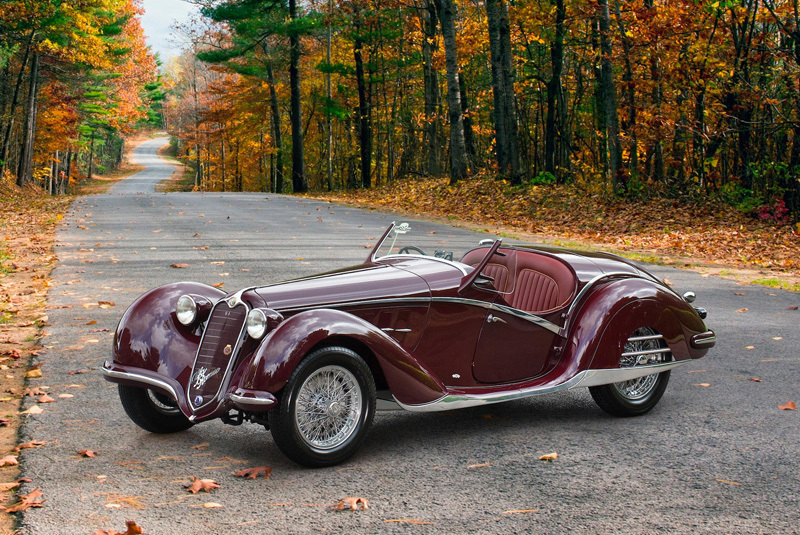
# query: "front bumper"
{"type": "Point", "coordinates": [242, 399]}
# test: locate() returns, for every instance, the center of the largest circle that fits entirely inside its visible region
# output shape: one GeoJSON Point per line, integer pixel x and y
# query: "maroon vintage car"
{"type": "Point", "coordinates": [413, 328]}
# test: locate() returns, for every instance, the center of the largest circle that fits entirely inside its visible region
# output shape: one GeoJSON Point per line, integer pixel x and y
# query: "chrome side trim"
{"type": "Point", "coordinates": [251, 401]}
{"type": "Point", "coordinates": [584, 378]}
{"type": "Point", "coordinates": [552, 327]}
{"type": "Point", "coordinates": [598, 278]}
{"type": "Point", "coordinates": [363, 302]}
{"type": "Point", "coordinates": [541, 322]}
{"type": "Point", "coordinates": [646, 352]}
{"type": "Point", "coordinates": [645, 338]}
{"type": "Point", "coordinates": [163, 385]}
{"type": "Point", "coordinates": [616, 375]}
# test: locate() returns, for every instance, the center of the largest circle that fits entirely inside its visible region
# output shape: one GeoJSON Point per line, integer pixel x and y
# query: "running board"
{"type": "Point", "coordinates": [584, 378]}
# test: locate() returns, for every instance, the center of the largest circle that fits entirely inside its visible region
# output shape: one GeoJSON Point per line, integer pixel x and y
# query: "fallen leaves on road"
{"type": "Point", "coordinates": [788, 406]}
{"type": "Point", "coordinates": [179, 266]}
{"type": "Point", "coordinates": [34, 372]}
{"type": "Point", "coordinates": [352, 504]}
{"type": "Point", "coordinates": [197, 484]}
{"type": "Point", "coordinates": [26, 501]}
{"type": "Point", "coordinates": [706, 385]}
{"type": "Point", "coordinates": [29, 445]}
{"type": "Point", "coordinates": [253, 473]}
{"type": "Point", "coordinates": [734, 483]}
{"type": "Point", "coordinates": [742, 310]}
{"type": "Point", "coordinates": [9, 460]}
{"type": "Point", "coordinates": [549, 457]}
{"type": "Point", "coordinates": [413, 521]}
{"type": "Point", "coordinates": [132, 529]}
{"type": "Point", "coordinates": [479, 465]}
{"type": "Point", "coordinates": [45, 399]}
{"type": "Point", "coordinates": [756, 379]}
{"type": "Point", "coordinates": [520, 511]}
{"type": "Point", "coordinates": [88, 453]}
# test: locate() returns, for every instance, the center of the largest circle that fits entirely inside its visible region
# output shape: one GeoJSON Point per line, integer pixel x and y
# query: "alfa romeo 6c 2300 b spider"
{"type": "Point", "coordinates": [417, 326]}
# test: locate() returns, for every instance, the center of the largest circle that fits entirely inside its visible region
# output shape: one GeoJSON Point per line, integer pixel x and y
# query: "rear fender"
{"type": "Point", "coordinates": [616, 309]}
{"type": "Point", "coordinates": [271, 366]}
{"type": "Point", "coordinates": [149, 335]}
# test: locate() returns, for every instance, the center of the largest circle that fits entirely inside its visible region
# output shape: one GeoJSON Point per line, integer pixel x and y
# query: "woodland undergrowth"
{"type": "Point", "coordinates": [674, 230]}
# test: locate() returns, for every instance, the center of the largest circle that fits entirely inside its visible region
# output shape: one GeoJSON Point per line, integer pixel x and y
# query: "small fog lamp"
{"type": "Point", "coordinates": [256, 324]}
{"type": "Point", "coordinates": [186, 310]}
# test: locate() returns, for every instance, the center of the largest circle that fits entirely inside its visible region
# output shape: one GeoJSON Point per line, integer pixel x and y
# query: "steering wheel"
{"type": "Point", "coordinates": [409, 248]}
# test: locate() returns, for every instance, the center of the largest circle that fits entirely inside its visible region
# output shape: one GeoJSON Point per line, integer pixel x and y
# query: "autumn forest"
{"type": "Point", "coordinates": [636, 98]}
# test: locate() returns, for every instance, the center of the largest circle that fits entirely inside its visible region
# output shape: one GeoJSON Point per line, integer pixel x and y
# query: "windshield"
{"type": "Point", "coordinates": [415, 238]}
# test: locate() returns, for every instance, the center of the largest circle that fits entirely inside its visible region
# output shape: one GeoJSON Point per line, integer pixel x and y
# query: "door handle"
{"type": "Point", "coordinates": [494, 319]}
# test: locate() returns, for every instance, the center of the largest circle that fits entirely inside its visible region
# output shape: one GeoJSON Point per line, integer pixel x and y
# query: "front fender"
{"type": "Point", "coordinates": [150, 337]}
{"type": "Point", "coordinates": [272, 364]}
{"type": "Point", "coordinates": [614, 310]}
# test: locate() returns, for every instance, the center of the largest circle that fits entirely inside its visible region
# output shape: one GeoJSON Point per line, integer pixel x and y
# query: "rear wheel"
{"type": "Point", "coordinates": [152, 411]}
{"type": "Point", "coordinates": [325, 409]}
{"type": "Point", "coordinates": [640, 395]}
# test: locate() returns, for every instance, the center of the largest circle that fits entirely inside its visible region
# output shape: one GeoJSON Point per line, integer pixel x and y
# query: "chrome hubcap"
{"type": "Point", "coordinates": [162, 402]}
{"type": "Point", "coordinates": [636, 389]}
{"type": "Point", "coordinates": [328, 407]}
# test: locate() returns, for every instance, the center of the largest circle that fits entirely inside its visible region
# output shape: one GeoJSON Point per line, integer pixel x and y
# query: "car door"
{"type": "Point", "coordinates": [512, 348]}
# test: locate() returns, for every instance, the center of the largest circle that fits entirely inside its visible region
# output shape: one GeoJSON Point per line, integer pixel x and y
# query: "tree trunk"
{"type": "Point", "coordinates": [630, 93]}
{"type": "Point", "coordinates": [458, 150]}
{"type": "Point", "coordinates": [329, 95]}
{"type": "Point", "coordinates": [364, 126]}
{"type": "Point", "coordinates": [276, 129]}
{"type": "Point", "coordinates": [431, 83]}
{"type": "Point", "coordinates": [90, 173]}
{"type": "Point", "coordinates": [610, 99]}
{"type": "Point", "coordinates": [469, 136]}
{"type": "Point", "coordinates": [6, 142]}
{"type": "Point", "coordinates": [25, 173]}
{"type": "Point", "coordinates": [299, 180]}
{"type": "Point", "coordinates": [505, 112]}
{"type": "Point", "coordinates": [555, 94]}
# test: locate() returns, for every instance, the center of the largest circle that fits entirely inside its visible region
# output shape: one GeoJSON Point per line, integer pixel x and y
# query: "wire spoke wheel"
{"type": "Point", "coordinates": [325, 409]}
{"type": "Point", "coordinates": [645, 347]}
{"type": "Point", "coordinates": [328, 407]}
{"type": "Point", "coordinates": [640, 387]}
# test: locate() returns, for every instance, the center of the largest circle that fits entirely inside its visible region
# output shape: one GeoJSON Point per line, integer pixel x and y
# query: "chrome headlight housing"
{"type": "Point", "coordinates": [186, 310]}
{"type": "Point", "coordinates": [257, 324]}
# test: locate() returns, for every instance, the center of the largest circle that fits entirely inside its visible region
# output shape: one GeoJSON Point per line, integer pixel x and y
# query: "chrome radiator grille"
{"type": "Point", "coordinates": [218, 347]}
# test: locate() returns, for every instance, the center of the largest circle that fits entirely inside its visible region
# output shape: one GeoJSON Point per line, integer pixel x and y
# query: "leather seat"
{"type": "Point", "coordinates": [539, 283]}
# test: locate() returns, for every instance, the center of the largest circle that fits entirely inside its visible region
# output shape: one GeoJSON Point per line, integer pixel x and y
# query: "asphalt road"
{"type": "Point", "coordinates": [720, 458]}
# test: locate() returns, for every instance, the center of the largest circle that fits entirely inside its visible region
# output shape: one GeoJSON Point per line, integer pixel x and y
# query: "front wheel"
{"type": "Point", "coordinates": [325, 409]}
{"type": "Point", "coordinates": [152, 411]}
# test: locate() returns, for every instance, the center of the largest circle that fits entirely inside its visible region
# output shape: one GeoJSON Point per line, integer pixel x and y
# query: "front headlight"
{"type": "Point", "coordinates": [256, 324]}
{"type": "Point", "coordinates": [186, 310]}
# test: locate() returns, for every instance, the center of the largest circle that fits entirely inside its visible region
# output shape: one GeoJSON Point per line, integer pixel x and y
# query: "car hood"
{"type": "Point", "coordinates": [367, 282]}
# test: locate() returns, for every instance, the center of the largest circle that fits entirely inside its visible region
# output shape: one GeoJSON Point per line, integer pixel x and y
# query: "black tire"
{"type": "Point", "coordinates": [612, 399]}
{"type": "Point", "coordinates": [343, 416]}
{"type": "Point", "coordinates": [152, 410]}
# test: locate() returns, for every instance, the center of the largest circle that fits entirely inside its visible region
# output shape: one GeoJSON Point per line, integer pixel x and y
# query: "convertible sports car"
{"type": "Point", "coordinates": [312, 359]}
